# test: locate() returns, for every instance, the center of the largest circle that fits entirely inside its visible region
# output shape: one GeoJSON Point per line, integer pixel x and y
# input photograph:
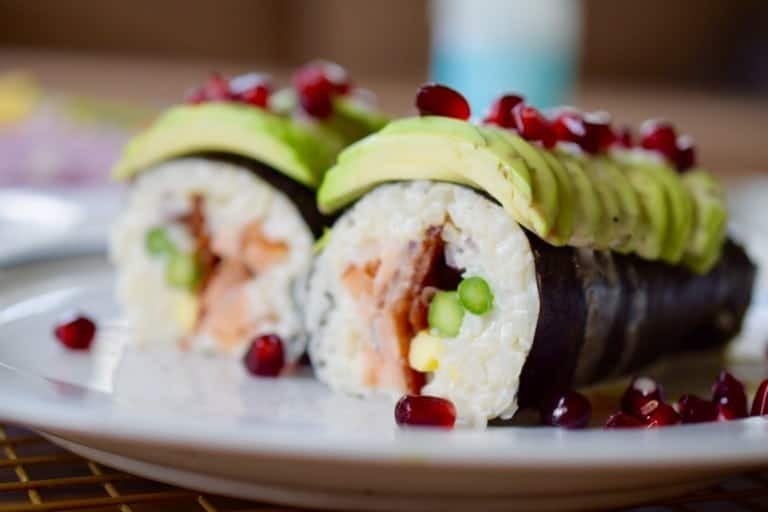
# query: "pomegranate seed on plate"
{"type": "Point", "coordinates": [532, 125]}
{"type": "Point", "coordinates": [659, 136]}
{"type": "Point", "coordinates": [760, 402]}
{"type": "Point", "coordinates": [641, 397]}
{"type": "Point", "coordinates": [76, 332]}
{"type": "Point", "coordinates": [729, 394]}
{"type": "Point", "coordinates": [662, 415]}
{"type": "Point", "coordinates": [265, 357]}
{"type": "Point", "coordinates": [425, 411]}
{"type": "Point", "coordinates": [693, 409]}
{"type": "Point", "coordinates": [571, 410]}
{"type": "Point", "coordinates": [439, 100]}
{"type": "Point", "coordinates": [623, 420]}
{"type": "Point", "coordinates": [685, 156]}
{"type": "Point", "coordinates": [500, 112]}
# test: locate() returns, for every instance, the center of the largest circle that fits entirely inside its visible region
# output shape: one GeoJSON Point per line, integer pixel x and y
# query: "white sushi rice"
{"type": "Point", "coordinates": [479, 369]}
{"type": "Point", "coordinates": [233, 198]}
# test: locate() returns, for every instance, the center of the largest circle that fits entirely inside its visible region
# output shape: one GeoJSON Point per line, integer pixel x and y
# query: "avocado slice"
{"type": "Point", "coordinates": [629, 204]}
{"type": "Point", "coordinates": [446, 149]}
{"type": "Point", "coordinates": [587, 204]}
{"type": "Point", "coordinates": [568, 202]}
{"type": "Point", "coordinates": [607, 234]}
{"type": "Point", "coordinates": [680, 211]}
{"type": "Point", "coordinates": [652, 230]}
{"type": "Point", "coordinates": [300, 151]}
{"type": "Point", "coordinates": [709, 220]}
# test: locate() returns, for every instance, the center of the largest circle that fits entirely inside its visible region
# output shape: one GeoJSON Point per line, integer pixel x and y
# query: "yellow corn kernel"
{"type": "Point", "coordinates": [185, 311]}
{"type": "Point", "coordinates": [424, 354]}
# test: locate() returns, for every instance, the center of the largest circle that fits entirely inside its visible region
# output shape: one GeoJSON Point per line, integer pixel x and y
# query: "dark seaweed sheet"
{"type": "Point", "coordinates": [639, 311]}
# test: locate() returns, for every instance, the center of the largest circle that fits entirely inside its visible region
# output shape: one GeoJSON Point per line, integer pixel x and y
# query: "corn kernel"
{"type": "Point", "coordinates": [424, 354]}
{"type": "Point", "coordinates": [185, 311]}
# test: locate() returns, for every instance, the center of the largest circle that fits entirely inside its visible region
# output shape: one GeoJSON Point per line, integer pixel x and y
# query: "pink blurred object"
{"type": "Point", "coordinates": [49, 148]}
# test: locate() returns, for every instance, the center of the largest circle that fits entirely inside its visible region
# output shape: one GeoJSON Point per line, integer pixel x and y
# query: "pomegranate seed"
{"type": "Point", "coordinates": [425, 411]}
{"type": "Point", "coordinates": [439, 100]}
{"type": "Point", "coordinates": [500, 112]}
{"type": "Point", "coordinates": [623, 138]}
{"type": "Point", "coordinates": [316, 83]}
{"type": "Point", "coordinates": [76, 332]}
{"type": "Point", "coordinates": [251, 88]}
{"type": "Point", "coordinates": [265, 356]}
{"type": "Point", "coordinates": [642, 397]}
{"type": "Point", "coordinates": [571, 410]}
{"type": "Point", "coordinates": [696, 410]}
{"type": "Point", "coordinates": [216, 88]}
{"type": "Point", "coordinates": [599, 134]}
{"type": "Point", "coordinates": [727, 413]}
{"type": "Point", "coordinates": [531, 125]}
{"type": "Point", "coordinates": [659, 136]}
{"type": "Point", "coordinates": [729, 394]}
{"type": "Point", "coordinates": [663, 415]}
{"type": "Point", "coordinates": [568, 126]}
{"type": "Point", "coordinates": [685, 156]}
{"type": "Point", "coordinates": [623, 420]}
{"type": "Point", "coordinates": [760, 403]}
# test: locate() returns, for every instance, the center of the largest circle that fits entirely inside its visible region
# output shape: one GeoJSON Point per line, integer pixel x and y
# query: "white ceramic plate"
{"type": "Point", "coordinates": [37, 223]}
{"type": "Point", "coordinates": [203, 423]}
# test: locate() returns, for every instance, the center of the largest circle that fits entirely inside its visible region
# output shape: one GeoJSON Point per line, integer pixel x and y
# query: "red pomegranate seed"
{"type": "Point", "coordinates": [599, 134]}
{"type": "Point", "coordinates": [425, 411]}
{"type": "Point", "coordinates": [568, 126]}
{"type": "Point", "coordinates": [623, 138]}
{"type": "Point", "coordinates": [251, 88]}
{"type": "Point", "coordinates": [316, 83]}
{"type": "Point", "coordinates": [623, 420]}
{"type": "Point", "coordinates": [693, 409]}
{"type": "Point", "coordinates": [531, 125]}
{"type": "Point", "coordinates": [76, 332]}
{"type": "Point", "coordinates": [685, 156]}
{"type": "Point", "coordinates": [641, 397]}
{"type": "Point", "coordinates": [265, 357]}
{"type": "Point", "coordinates": [663, 415]}
{"type": "Point", "coordinates": [216, 88]}
{"type": "Point", "coordinates": [439, 100]}
{"type": "Point", "coordinates": [760, 403]}
{"type": "Point", "coordinates": [659, 136]}
{"type": "Point", "coordinates": [729, 394]}
{"type": "Point", "coordinates": [500, 112]}
{"type": "Point", "coordinates": [571, 410]}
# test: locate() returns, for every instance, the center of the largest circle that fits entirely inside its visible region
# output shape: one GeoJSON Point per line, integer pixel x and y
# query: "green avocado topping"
{"type": "Point", "coordinates": [301, 149]}
{"type": "Point", "coordinates": [603, 202]}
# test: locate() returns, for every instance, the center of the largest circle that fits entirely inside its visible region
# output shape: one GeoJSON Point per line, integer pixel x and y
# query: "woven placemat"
{"type": "Point", "coordinates": [36, 475]}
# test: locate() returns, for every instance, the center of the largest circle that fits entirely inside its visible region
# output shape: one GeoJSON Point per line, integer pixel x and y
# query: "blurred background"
{"type": "Point", "coordinates": [77, 77]}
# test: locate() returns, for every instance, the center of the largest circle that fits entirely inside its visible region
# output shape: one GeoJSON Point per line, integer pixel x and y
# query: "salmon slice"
{"type": "Point", "coordinates": [393, 294]}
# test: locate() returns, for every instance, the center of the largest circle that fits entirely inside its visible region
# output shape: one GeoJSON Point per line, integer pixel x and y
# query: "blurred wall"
{"type": "Point", "coordinates": [712, 42]}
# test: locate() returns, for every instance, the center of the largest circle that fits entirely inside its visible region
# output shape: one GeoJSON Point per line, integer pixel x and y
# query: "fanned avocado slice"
{"type": "Point", "coordinates": [588, 209]}
{"type": "Point", "coordinates": [607, 235]}
{"type": "Point", "coordinates": [710, 220]}
{"type": "Point", "coordinates": [445, 149]}
{"type": "Point", "coordinates": [651, 232]}
{"type": "Point", "coordinates": [621, 204]}
{"type": "Point", "coordinates": [568, 202]}
{"type": "Point", "coordinates": [680, 211]}
{"type": "Point", "coordinates": [302, 150]}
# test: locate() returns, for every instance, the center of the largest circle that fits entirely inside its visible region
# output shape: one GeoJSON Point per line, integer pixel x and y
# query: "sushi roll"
{"type": "Point", "coordinates": [496, 266]}
{"type": "Point", "coordinates": [216, 238]}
